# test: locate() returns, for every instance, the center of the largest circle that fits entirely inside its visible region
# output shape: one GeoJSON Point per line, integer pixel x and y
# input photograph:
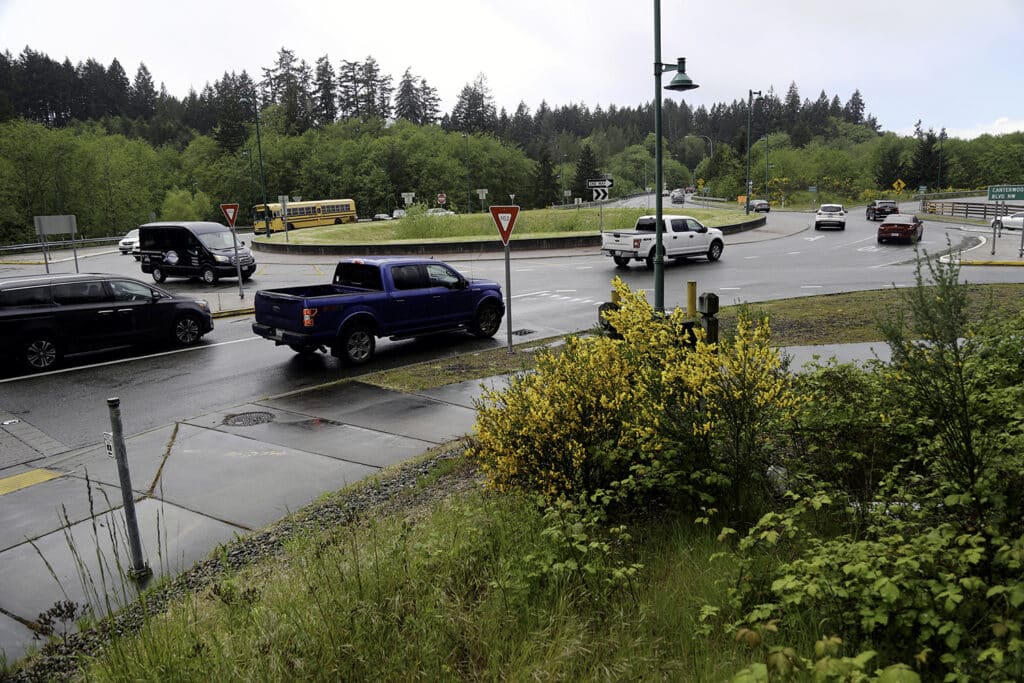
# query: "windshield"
{"type": "Point", "coordinates": [217, 240]}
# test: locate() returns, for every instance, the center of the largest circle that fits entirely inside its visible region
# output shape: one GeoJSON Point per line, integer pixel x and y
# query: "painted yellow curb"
{"type": "Point", "coordinates": [991, 263]}
{"type": "Point", "coordinates": [26, 479]}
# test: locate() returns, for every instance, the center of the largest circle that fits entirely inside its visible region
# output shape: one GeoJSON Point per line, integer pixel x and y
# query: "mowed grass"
{"type": "Point", "coordinates": [417, 227]}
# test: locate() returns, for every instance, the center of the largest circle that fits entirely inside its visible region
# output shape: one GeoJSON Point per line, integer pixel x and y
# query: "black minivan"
{"type": "Point", "coordinates": [193, 249]}
{"type": "Point", "coordinates": [45, 317]}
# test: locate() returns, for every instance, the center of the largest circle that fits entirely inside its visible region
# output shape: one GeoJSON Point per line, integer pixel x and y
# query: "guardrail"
{"type": "Point", "coordinates": [978, 210]}
{"type": "Point", "coordinates": [59, 244]}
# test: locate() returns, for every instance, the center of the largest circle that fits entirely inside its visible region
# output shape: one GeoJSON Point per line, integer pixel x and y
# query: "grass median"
{"type": "Point", "coordinates": [418, 226]}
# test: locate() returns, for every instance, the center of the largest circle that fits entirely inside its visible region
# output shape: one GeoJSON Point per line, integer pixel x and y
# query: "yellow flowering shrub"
{"type": "Point", "coordinates": [657, 409]}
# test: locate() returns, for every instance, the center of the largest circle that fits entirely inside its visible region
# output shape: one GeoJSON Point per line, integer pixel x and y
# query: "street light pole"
{"type": "Point", "coordinates": [766, 166]}
{"type": "Point", "coordinates": [679, 82]}
{"type": "Point", "coordinates": [750, 105]}
{"type": "Point", "coordinates": [466, 138]}
{"type": "Point", "coordinates": [259, 150]}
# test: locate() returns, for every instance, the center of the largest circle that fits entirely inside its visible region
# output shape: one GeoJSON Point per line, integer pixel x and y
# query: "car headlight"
{"type": "Point", "coordinates": [203, 304]}
{"type": "Point", "coordinates": [221, 259]}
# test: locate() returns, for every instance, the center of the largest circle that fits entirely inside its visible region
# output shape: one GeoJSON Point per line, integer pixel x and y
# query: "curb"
{"type": "Point", "coordinates": [231, 312]}
{"type": "Point", "coordinates": [991, 263]}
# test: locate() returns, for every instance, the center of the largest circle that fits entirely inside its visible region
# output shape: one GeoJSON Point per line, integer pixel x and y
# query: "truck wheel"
{"type": "Point", "coordinates": [715, 251]}
{"type": "Point", "coordinates": [41, 353]}
{"type": "Point", "coordinates": [158, 274]}
{"type": "Point", "coordinates": [488, 320]}
{"type": "Point", "coordinates": [621, 261]}
{"type": "Point", "coordinates": [209, 275]}
{"type": "Point", "coordinates": [356, 344]}
{"type": "Point", "coordinates": [649, 261]}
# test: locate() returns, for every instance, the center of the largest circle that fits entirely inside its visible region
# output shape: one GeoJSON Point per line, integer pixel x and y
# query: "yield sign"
{"type": "Point", "coordinates": [230, 212]}
{"type": "Point", "coordinates": [505, 218]}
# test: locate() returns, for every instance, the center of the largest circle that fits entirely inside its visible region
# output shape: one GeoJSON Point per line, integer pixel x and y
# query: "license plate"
{"type": "Point", "coordinates": [275, 334]}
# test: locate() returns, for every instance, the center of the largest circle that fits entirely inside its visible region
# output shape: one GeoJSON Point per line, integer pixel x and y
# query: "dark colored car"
{"type": "Point", "coordinates": [901, 226]}
{"type": "Point", "coordinates": [760, 205]}
{"type": "Point", "coordinates": [880, 208]}
{"type": "Point", "coordinates": [45, 317]}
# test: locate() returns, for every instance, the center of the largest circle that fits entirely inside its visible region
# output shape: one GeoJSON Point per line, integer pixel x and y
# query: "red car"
{"type": "Point", "coordinates": [901, 226]}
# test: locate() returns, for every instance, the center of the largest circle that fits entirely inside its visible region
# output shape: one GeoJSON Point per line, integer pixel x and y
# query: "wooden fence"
{"type": "Point", "coordinates": [979, 210]}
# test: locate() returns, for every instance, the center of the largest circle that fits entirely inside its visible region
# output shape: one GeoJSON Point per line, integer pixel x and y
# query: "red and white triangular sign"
{"type": "Point", "coordinates": [230, 212]}
{"type": "Point", "coordinates": [505, 218]}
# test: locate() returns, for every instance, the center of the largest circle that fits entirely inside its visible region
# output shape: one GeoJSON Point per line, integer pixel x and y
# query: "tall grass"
{"type": "Point", "coordinates": [451, 592]}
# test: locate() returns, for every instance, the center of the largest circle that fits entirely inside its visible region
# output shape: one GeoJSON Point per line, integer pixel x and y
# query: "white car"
{"type": "Point", "coordinates": [129, 244]}
{"type": "Point", "coordinates": [1015, 221]}
{"type": "Point", "coordinates": [439, 212]}
{"type": "Point", "coordinates": [830, 214]}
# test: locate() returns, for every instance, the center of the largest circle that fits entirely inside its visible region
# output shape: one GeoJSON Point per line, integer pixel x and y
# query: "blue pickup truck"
{"type": "Point", "coordinates": [395, 297]}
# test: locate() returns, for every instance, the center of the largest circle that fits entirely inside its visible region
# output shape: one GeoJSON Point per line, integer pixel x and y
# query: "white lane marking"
{"type": "Point", "coordinates": [730, 289]}
{"type": "Point", "coordinates": [792, 253]}
{"type": "Point", "coordinates": [564, 291]}
{"type": "Point", "coordinates": [128, 360]}
{"type": "Point", "coordinates": [540, 293]}
{"type": "Point", "coordinates": [816, 237]}
{"type": "Point", "coordinates": [812, 286]}
{"type": "Point", "coordinates": [751, 258]}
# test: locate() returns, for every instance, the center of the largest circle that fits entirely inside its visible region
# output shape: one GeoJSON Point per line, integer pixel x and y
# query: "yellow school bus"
{"type": "Point", "coordinates": [306, 214]}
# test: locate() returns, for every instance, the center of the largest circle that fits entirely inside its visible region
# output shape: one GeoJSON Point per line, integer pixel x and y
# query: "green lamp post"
{"type": "Point", "coordinates": [679, 82]}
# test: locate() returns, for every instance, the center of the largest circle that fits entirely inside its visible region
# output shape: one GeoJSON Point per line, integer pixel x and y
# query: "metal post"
{"type": "Point", "coordinates": [659, 252]}
{"type": "Point", "coordinates": [750, 106]}
{"type": "Point", "coordinates": [691, 299]}
{"type": "Point", "coordinates": [508, 297]}
{"type": "Point", "coordinates": [139, 568]}
{"type": "Point", "coordinates": [263, 177]}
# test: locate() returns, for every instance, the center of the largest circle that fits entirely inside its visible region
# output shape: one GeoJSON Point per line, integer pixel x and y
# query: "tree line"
{"type": "Point", "coordinates": [67, 131]}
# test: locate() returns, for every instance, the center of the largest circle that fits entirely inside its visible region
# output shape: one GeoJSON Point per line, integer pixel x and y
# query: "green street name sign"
{"type": "Point", "coordinates": [1005, 192]}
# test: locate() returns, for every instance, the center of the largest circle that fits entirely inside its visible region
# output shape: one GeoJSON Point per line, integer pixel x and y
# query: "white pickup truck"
{"type": "Point", "coordinates": [682, 236]}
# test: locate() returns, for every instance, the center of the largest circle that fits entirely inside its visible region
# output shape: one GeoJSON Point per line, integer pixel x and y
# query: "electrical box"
{"type": "Point", "coordinates": [707, 303]}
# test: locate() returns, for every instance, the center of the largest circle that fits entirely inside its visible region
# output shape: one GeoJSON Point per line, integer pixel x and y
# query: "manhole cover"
{"type": "Point", "coordinates": [522, 333]}
{"type": "Point", "coordinates": [248, 419]}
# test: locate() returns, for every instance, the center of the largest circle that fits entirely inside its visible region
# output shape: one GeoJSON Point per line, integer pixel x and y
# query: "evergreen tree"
{"type": "Point", "coordinates": [142, 101]}
{"type": "Point", "coordinates": [430, 103]}
{"type": "Point", "coordinates": [545, 189]}
{"type": "Point", "coordinates": [586, 169]}
{"type": "Point", "coordinates": [853, 112]}
{"type": "Point", "coordinates": [407, 100]}
{"type": "Point", "coordinates": [325, 94]}
{"type": "Point", "coordinates": [474, 110]}
{"type": "Point", "coordinates": [349, 95]}
{"type": "Point", "coordinates": [118, 90]}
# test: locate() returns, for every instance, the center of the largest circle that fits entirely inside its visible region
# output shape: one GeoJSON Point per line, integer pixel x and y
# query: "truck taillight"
{"type": "Point", "coordinates": [308, 317]}
{"type": "Point", "coordinates": [636, 243]}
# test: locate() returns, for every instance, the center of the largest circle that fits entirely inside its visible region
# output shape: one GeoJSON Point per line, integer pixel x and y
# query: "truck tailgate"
{"type": "Point", "coordinates": [276, 309]}
{"type": "Point", "coordinates": [622, 240]}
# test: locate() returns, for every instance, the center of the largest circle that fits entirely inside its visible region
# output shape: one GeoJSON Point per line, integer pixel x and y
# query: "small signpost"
{"type": "Point", "coordinates": [505, 219]}
{"type": "Point", "coordinates": [442, 198]}
{"type": "Point", "coordinates": [407, 197]}
{"type": "Point", "coordinates": [283, 200]}
{"type": "Point", "coordinates": [599, 187]}
{"type": "Point", "coordinates": [230, 212]}
{"type": "Point", "coordinates": [57, 225]}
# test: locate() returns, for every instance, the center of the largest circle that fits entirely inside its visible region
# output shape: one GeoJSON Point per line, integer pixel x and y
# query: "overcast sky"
{"type": "Point", "coordinates": [948, 63]}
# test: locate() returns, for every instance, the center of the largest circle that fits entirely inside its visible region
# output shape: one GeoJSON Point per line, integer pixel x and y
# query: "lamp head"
{"type": "Point", "coordinates": [681, 81]}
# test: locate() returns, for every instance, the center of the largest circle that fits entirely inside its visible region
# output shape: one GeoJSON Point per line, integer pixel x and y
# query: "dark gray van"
{"type": "Point", "coordinates": [193, 249]}
{"type": "Point", "coordinates": [45, 317]}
